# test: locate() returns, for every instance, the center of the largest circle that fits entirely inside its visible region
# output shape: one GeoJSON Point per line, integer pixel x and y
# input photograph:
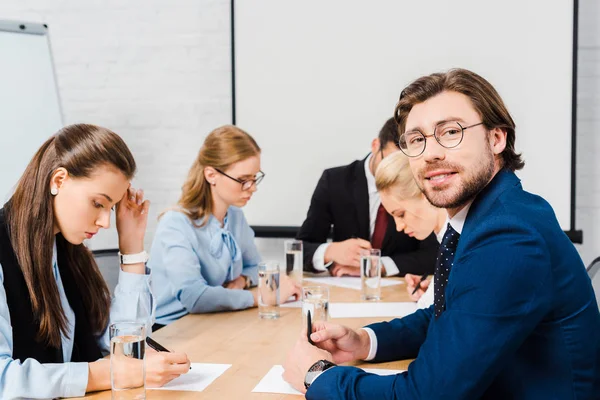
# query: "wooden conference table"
{"type": "Point", "coordinates": [251, 345]}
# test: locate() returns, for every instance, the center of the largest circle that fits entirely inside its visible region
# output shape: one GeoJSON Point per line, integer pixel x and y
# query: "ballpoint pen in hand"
{"type": "Point", "coordinates": [423, 277]}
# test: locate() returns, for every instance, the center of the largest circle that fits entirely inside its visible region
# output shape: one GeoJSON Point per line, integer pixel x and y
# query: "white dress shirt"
{"type": "Point", "coordinates": [374, 202]}
{"type": "Point", "coordinates": [28, 378]}
{"type": "Point", "coordinates": [457, 222]}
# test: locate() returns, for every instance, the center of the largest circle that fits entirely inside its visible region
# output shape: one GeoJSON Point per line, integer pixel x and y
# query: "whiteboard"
{"type": "Point", "coordinates": [316, 80]}
{"type": "Point", "coordinates": [29, 103]}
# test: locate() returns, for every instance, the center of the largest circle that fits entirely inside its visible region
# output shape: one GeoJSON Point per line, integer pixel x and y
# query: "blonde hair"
{"type": "Point", "coordinates": [394, 174]}
{"type": "Point", "coordinates": [222, 147]}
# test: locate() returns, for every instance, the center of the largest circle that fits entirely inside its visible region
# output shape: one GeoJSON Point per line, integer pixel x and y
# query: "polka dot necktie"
{"type": "Point", "coordinates": [444, 263]}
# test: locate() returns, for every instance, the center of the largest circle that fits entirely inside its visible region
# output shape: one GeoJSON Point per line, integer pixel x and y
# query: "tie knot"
{"type": "Point", "coordinates": [450, 240]}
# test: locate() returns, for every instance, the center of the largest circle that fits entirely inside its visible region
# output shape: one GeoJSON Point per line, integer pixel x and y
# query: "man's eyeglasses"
{"type": "Point", "coordinates": [448, 134]}
{"type": "Point", "coordinates": [246, 183]}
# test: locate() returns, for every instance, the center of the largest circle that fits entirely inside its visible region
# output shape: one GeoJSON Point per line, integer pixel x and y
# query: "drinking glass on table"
{"type": "Point", "coordinates": [316, 300]}
{"type": "Point", "coordinates": [127, 360]}
{"type": "Point", "coordinates": [294, 259]}
{"type": "Point", "coordinates": [370, 274]}
{"type": "Point", "coordinates": [268, 290]}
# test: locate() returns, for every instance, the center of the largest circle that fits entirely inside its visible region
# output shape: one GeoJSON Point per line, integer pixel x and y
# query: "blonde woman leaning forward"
{"type": "Point", "coordinates": [203, 255]}
{"type": "Point", "coordinates": [412, 213]}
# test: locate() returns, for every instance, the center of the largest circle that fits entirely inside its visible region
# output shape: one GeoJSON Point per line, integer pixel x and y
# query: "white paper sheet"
{"type": "Point", "coordinates": [273, 381]}
{"type": "Point", "coordinates": [198, 378]}
{"type": "Point", "coordinates": [292, 304]}
{"type": "Point", "coordinates": [371, 309]}
{"type": "Point", "coordinates": [350, 282]}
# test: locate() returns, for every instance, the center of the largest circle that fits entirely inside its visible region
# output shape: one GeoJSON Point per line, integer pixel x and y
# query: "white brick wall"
{"type": "Point", "coordinates": [158, 73]}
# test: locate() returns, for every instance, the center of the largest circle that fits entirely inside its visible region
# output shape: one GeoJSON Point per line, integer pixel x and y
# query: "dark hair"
{"type": "Point", "coordinates": [388, 133]}
{"type": "Point", "coordinates": [482, 94]}
{"type": "Point", "coordinates": [80, 149]}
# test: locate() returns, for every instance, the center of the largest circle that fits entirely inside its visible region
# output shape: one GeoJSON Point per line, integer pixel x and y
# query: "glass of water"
{"type": "Point", "coordinates": [316, 300]}
{"type": "Point", "coordinates": [268, 290]}
{"type": "Point", "coordinates": [294, 259]}
{"type": "Point", "coordinates": [370, 274]}
{"type": "Point", "coordinates": [127, 361]}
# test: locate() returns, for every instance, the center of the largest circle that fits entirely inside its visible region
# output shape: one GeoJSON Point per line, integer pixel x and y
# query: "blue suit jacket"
{"type": "Point", "coordinates": [521, 319]}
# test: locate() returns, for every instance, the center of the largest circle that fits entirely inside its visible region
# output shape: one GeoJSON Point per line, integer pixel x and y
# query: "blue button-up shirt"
{"type": "Point", "coordinates": [132, 301]}
{"type": "Point", "coordinates": [190, 264]}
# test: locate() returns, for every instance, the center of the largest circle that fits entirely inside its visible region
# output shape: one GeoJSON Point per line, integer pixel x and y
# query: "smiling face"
{"type": "Point", "coordinates": [450, 178]}
{"type": "Point", "coordinates": [83, 205]}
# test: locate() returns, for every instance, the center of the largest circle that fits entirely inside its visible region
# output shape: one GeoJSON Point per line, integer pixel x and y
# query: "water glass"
{"type": "Point", "coordinates": [268, 290]}
{"type": "Point", "coordinates": [294, 259]}
{"type": "Point", "coordinates": [316, 300]}
{"type": "Point", "coordinates": [370, 274]}
{"type": "Point", "coordinates": [127, 361]}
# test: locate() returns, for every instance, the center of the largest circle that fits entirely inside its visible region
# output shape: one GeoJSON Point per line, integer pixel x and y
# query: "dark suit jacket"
{"type": "Point", "coordinates": [521, 319]}
{"type": "Point", "coordinates": [342, 199]}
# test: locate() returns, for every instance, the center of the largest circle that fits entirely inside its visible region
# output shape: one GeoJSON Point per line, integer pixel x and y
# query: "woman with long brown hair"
{"type": "Point", "coordinates": [203, 251]}
{"type": "Point", "coordinates": [54, 304]}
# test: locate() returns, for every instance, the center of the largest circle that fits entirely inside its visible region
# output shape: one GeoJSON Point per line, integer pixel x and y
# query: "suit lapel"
{"type": "Point", "coordinates": [361, 200]}
{"type": "Point", "coordinates": [503, 180]}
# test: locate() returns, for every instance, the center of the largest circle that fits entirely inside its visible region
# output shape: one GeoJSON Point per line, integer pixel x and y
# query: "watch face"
{"type": "Point", "coordinates": [315, 370]}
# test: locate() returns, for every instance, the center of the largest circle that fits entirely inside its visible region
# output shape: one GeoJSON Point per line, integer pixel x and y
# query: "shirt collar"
{"type": "Point", "coordinates": [370, 178]}
{"type": "Point", "coordinates": [214, 221]}
{"type": "Point", "coordinates": [458, 221]}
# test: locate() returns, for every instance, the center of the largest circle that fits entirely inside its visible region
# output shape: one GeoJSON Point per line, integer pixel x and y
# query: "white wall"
{"type": "Point", "coordinates": [588, 130]}
{"type": "Point", "coordinates": [158, 73]}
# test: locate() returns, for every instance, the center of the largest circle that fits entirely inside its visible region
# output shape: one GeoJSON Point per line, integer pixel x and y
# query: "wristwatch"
{"type": "Point", "coordinates": [315, 370]}
{"type": "Point", "coordinates": [133, 258]}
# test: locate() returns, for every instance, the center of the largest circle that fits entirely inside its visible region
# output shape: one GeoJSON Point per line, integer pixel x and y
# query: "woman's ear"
{"type": "Point", "coordinates": [210, 174]}
{"type": "Point", "coordinates": [58, 178]}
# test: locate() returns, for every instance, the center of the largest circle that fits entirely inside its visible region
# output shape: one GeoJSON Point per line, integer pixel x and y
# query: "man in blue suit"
{"type": "Point", "coordinates": [514, 316]}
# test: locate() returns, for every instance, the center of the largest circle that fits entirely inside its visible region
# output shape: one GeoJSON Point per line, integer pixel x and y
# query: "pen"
{"type": "Point", "coordinates": [419, 284]}
{"type": "Point", "coordinates": [309, 328]}
{"type": "Point", "coordinates": [154, 345]}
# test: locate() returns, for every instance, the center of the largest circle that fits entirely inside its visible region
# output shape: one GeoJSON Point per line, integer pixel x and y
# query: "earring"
{"type": "Point", "coordinates": [54, 191]}
{"type": "Point", "coordinates": [213, 183]}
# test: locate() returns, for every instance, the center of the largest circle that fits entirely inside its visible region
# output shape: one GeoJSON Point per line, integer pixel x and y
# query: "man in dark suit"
{"type": "Point", "coordinates": [346, 197]}
{"type": "Point", "coordinates": [514, 315]}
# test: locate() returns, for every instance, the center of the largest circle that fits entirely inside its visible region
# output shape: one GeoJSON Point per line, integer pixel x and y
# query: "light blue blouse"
{"type": "Point", "coordinates": [191, 264]}
{"type": "Point", "coordinates": [132, 301]}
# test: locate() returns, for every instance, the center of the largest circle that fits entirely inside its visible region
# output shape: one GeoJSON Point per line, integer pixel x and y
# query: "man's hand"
{"type": "Point", "coordinates": [343, 270]}
{"type": "Point", "coordinates": [346, 252]}
{"type": "Point", "coordinates": [341, 342]}
{"type": "Point", "coordinates": [302, 356]}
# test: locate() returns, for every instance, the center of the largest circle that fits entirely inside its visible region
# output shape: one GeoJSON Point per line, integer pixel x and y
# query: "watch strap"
{"type": "Point", "coordinates": [134, 258]}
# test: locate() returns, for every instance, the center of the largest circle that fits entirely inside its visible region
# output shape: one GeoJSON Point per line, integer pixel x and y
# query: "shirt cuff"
{"type": "Point", "coordinates": [319, 258]}
{"type": "Point", "coordinates": [390, 266]}
{"type": "Point", "coordinates": [132, 282]}
{"type": "Point", "coordinates": [373, 340]}
{"type": "Point", "coordinates": [77, 379]}
{"type": "Point", "coordinates": [321, 374]}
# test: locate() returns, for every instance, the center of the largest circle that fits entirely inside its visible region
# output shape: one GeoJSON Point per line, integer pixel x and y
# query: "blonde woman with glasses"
{"type": "Point", "coordinates": [412, 212]}
{"type": "Point", "coordinates": [203, 255]}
